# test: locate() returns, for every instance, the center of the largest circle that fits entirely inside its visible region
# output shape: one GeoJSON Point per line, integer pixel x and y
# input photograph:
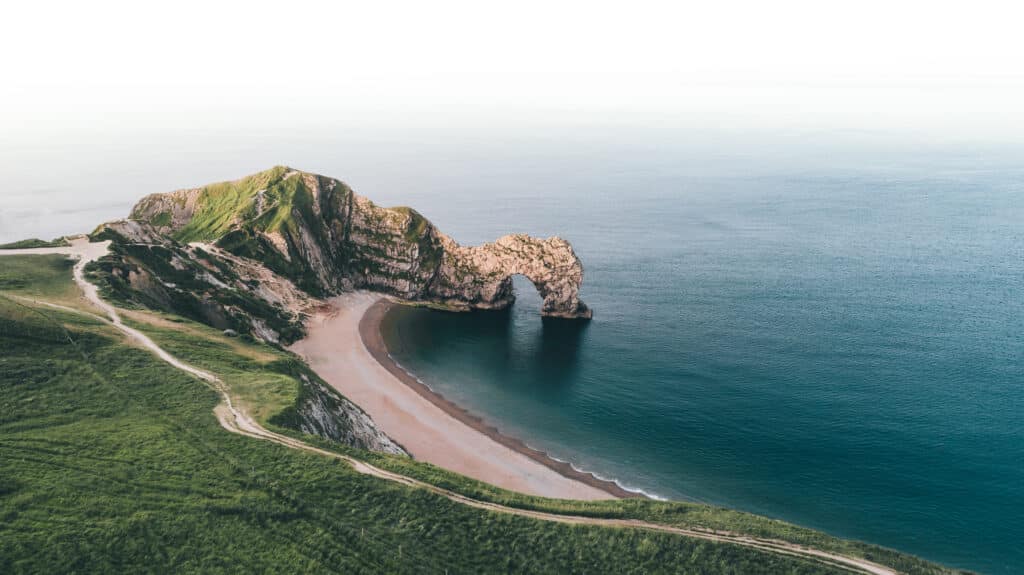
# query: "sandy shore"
{"type": "Point", "coordinates": [431, 428]}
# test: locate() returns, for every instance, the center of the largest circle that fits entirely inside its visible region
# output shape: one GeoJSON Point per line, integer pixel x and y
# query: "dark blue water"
{"type": "Point", "coordinates": [838, 348]}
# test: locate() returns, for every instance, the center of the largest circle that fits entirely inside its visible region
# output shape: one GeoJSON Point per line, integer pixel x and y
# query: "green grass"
{"type": "Point", "coordinates": [42, 277]}
{"type": "Point", "coordinates": [228, 213]}
{"type": "Point", "coordinates": [258, 374]}
{"type": "Point", "coordinates": [112, 461]}
{"type": "Point", "coordinates": [35, 243]}
{"type": "Point", "coordinates": [161, 220]}
{"type": "Point", "coordinates": [281, 197]}
{"type": "Point", "coordinates": [220, 206]}
{"type": "Point", "coordinates": [679, 514]}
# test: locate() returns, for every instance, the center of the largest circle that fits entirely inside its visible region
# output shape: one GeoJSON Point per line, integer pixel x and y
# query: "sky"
{"type": "Point", "coordinates": [104, 101]}
{"type": "Point", "coordinates": [899, 65]}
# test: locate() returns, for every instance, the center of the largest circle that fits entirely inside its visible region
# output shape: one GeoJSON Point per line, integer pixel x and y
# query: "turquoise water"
{"type": "Point", "coordinates": [838, 348]}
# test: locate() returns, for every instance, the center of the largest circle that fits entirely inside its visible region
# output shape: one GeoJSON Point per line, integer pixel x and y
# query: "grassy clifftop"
{"type": "Point", "coordinates": [263, 201]}
{"type": "Point", "coordinates": [34, 243]}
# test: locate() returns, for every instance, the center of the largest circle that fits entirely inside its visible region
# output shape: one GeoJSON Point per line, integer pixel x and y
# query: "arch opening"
{"type": "Point", "coordinates": [559, 301]}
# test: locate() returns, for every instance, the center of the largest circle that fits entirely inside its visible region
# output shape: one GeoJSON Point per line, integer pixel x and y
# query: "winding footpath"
{"type": "Point", "coordinates": [237, 421]}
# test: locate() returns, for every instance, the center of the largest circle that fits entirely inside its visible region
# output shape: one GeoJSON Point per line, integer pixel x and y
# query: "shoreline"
{"type": "Point", "coordinates": [373, 340]}
{"type": "Point", "coordinates": [335, 350]}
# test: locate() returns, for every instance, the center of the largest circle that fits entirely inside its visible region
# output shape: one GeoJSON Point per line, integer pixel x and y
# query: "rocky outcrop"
{"type": "Point", "coordinates": [317, 232]}
{"type": "Point", "coordinates": [175, 208]}
{"type": "Point", "coordinates": [320, 411]}
{"type": "Point", "coordinates": [481, 276]}
{"type": "Point", "coordinates": [198, 281]}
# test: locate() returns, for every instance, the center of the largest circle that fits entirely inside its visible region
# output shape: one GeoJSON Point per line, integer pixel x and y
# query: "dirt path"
{"type": "Point", "coordinates": [236, 420]}
{"type": "Point", "coordinates": [86, 252]}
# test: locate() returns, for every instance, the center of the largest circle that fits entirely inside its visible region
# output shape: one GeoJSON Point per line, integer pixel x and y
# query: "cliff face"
{"type": "Point", "coordinates": [319, 410]}
{"type": "Point", "coordinates": [198, 281]}
{"type": "Point", "coordinates": [325, 238]}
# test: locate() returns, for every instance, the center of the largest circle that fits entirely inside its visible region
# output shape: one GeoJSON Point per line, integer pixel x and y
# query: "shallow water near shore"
{"type": "Point", "coordinates": [842, 351]}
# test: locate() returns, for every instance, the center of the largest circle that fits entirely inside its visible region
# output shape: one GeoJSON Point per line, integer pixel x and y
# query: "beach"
{"type": "Point", "coordinates": [345, 348]}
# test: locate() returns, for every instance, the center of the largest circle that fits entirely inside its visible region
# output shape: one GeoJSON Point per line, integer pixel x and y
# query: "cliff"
{"type": "Point", "coordinates": [321, 411]}
{"type": "Point", "coordinates": [316, 232]}
{"type": "Point", "coordinates": [198, 281]}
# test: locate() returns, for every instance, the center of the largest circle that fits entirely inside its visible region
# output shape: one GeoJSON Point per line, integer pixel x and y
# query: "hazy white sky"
{"type": "Point", "coordinates": [104, 101]}
{"type": "Point", "coordinates": [117, 66]}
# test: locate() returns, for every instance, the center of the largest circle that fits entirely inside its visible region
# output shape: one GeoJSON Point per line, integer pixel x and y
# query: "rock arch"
{"type": "Point", "coordinates": [481, 276]}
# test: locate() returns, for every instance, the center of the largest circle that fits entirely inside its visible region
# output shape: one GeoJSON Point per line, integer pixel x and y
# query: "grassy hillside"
{"type": "Point", "coordinates": [112, 461]}
{"type": "Point", "coordinates": [264, 200]}
{"type": "Point", "coordinates": [42, 277]}
{"type": "Point", "coordinates": [235, 215]}
{"type": "Point", "coordinates": [34, 243]}
{"type": "Point", "coordinates": [191, 282]}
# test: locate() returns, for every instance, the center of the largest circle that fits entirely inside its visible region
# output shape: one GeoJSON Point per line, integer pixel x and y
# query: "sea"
{"type": "Point", "coordinates": [825, 330]}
